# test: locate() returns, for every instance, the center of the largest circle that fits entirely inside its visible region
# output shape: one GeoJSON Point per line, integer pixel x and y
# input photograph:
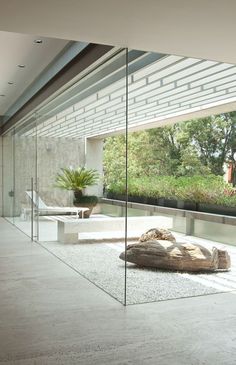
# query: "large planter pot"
{"type": "Point", "coordinates": [170, 203]}
{"type": "Point", "coordinates": [152, 200]}
{"type": "Point", "coordinates": [186, 205]}
{"type": "Point", "coordinates": [217, 209]}
{"type": "Point", "coordinates": [88, 212]}
{"type": "Point", "coordinates": [117, 196]}
{"type": "Point", "coordinates": [86, 201]}
{"type": "Point", "coordinates": [161, 202]}
{"type": "Point", "coordinates": [135, 199]}
{"type": "Point", "coordinates": [143, 200]}
{"type": "Point", "coordinates": [111, 195]}
{"type": "Point", "coordinates": [179, 204]}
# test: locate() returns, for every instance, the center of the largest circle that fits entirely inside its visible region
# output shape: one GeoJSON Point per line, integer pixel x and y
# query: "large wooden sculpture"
{"type": "Point", "coordinates": [158, 248]}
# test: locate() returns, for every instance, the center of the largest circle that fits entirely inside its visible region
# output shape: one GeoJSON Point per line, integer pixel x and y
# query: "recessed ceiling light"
{"type": "Point", "coordinates": [10, 82]}
{"type": "Point", "coordinates": [38, 41]}
{"type": "Point", "coordinates": [21, 66]}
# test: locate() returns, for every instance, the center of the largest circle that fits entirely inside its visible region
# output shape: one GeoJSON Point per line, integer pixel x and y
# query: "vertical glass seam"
{"type": "Point", "coordinates": [14, 176]}
{"type": "Point", "coordinates": [126, 169]}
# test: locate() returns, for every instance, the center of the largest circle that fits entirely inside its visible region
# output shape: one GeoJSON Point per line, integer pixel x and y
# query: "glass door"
{"type": "Point", "coordinates": [8, 176]}
{"type": "Point", "coordinates": [74, 132]}
{"type": "Point", "coordinates": [25, 177]}
{"type": "Point", "coordinates": [70, 138]}
{"type": "Point", "coordinates": [53, 153]}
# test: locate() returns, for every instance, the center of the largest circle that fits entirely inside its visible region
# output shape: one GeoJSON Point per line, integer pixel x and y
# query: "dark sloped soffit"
{"type": "Point", "coordinates": [82, 61]}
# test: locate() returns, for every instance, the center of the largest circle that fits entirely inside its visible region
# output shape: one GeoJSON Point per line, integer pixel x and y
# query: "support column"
{"type": "Point", "coordinates": [189, 224]}
{"type": "Point", "coordinates": [94, 160]}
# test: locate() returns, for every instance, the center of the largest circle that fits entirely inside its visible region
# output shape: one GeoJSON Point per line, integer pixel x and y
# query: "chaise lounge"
{"type": "Point", "coordinates": [44, 209]}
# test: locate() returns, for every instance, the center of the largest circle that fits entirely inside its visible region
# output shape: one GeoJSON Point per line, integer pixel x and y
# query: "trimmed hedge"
{"type": "Point", "coordinates": [198, 189]}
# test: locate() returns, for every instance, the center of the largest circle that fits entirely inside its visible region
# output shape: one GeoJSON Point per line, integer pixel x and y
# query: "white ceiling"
{"type": "Point", "coordinates": [200, 29]}
{"type": "Point", "coordinates": [20, 49]}
{"type": "Point", "coordinates": [194, 28]}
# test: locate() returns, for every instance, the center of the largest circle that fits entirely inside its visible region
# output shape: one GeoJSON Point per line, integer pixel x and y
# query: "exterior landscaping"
{"type": "Point", "coordinates": [209, 193]}
{"type": "Point", "coordinates": [180, 166]}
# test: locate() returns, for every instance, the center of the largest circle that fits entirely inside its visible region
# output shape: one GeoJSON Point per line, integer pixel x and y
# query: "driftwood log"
{"type": "Point", "coordinates": [157, 234]}
{"type": "Point", "coordinates": [170, 255]}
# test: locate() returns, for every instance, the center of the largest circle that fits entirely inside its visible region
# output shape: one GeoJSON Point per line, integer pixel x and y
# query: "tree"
{"type": "Point", "coordinates": [166, 148]}
{"type": "Point", "coordinates": [114, 160]}
{"type": "Point", "coordinates": [191, 164]}
{"type": "Point", "coordinates": [214, 139]}
{"type": "Point", "coordinates": [194, 147]}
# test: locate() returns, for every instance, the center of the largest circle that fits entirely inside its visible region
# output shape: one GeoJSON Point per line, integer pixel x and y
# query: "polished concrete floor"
{"type": "Point", "coordinates": [49, 314]}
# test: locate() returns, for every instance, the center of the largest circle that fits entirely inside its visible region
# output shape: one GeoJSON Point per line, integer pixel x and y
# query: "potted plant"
{"type": "Point", "coordinates": [77, 180]}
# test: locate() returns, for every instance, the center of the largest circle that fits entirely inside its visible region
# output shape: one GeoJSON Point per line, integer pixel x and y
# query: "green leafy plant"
{"type": "Point", "coordinates": [76, 179]}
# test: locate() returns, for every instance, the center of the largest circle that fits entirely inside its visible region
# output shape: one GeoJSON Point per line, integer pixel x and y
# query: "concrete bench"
{"type": "Point", "coordinates": [68, 230]}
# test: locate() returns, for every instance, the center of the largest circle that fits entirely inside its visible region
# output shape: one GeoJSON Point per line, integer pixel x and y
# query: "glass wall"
{"type": "Point", "coordinates": [25, 172]}
{"type": "Point", "coordinates": [70, 142]}
{"type": "Point", "coordinates": [54, 154]}
{"type": "Point", "coordinates": [160, 92]}
{"type": "Point", "coordinates": [8, 176]}
{"type": "Point", "coordinates": [84, 154]}
{"type": "Point", "coordinates": [56, 150]}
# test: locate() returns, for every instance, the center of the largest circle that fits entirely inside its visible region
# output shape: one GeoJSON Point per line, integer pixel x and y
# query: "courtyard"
{"type": "Point", "coordinates": [95, 256]}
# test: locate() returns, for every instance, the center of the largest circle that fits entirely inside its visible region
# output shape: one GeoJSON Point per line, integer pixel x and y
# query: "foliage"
{"type": "Point", "coordinates": [199, 189]}
{"type": "Point", "coordinates": [214, 139]}
{"type": "Point", "coordinates": [183, 161]}
{"type": "Point", "coordinates": [195, 147]}
{"type": "Point", "coordinates": [190, 163]}
{"type": "Point", "coordinates": [114, 160]}
{"type": "Point", "coordinates": [76, 179]}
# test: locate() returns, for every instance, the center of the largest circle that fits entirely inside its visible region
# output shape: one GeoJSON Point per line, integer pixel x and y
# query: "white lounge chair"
{"type": "Point", "coordinates": [43, 208]}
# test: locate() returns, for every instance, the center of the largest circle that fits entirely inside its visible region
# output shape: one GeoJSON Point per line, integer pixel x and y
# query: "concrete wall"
{"type": "Point", "coordinates": [52, 154]}
{"type": "Point", "coordinates": [20, 156]}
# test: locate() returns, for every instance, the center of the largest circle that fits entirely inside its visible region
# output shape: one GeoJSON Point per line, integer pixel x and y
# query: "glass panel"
{"type": "Point", "coordinates": [25, 180]}
{"type": "Point", "coordinates": [149, 101]}
{"type": "Point", "coordinates": [8, 176]}
{"type": "Point", "coordinates": [53, 154]}
{"type": "Point", "coordinates": [162, 160]}
{"type": "Point", "coordinates": [72, 134]}
{"type": "Point", "coordinates": [86, 127]}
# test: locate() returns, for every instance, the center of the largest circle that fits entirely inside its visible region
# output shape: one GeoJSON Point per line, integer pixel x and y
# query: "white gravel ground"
{"type": "Point", "coordinates": [100, 263]}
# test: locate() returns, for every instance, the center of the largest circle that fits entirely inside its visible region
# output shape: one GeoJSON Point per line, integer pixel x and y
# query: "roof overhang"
{"type": "Point", "coordinates": [161, 89]}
